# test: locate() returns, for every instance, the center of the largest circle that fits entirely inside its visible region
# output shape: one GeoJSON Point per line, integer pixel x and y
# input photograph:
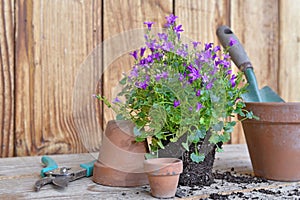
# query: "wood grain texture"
{"type": "Point", "coordinates": [7, 77]}
{"type": "Point", "coordinates": [289, 49]}
{"type": "Point", "coordinates": [52, 40]}
{"type": "Point", "coordinates": [120, 16]}
{"type": "Point", "coordinates": [201, 18]}
{"type": "Point", "coordinates": [256, 25]}
{"type": "Point", "coordinates": [234, 156]}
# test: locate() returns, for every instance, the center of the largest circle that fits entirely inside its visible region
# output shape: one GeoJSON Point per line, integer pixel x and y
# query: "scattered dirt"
{"type": "Point", "coordinates": [244, 188]}
{"type": "Point", "coordinates": [229, 177]}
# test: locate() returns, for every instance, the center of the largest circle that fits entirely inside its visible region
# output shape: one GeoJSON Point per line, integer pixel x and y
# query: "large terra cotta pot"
{"type": "Point", "coordinates": [274, 140]}
{"type": "Point", "coordinates": [163, 175]}
{"type": "Point", "coordinates": [121, 158]}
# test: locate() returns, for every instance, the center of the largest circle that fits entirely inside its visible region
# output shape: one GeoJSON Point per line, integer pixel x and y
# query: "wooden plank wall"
{"type": "Point", "coordinates": [45, 44]}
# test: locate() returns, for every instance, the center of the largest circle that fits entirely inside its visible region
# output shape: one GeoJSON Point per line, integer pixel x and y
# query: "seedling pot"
{"type": "Point", "coordinates": [163, 175]}
{"type": "Point", "coordinates": [274, 140]}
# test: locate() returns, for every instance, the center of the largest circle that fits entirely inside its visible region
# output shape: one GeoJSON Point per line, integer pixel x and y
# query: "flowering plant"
{"type": "Point", "coordinates": [177, 88]}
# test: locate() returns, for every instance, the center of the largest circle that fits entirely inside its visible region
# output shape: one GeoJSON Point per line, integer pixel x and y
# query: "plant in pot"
{"type": "Point", "coordinates": [180, 96]}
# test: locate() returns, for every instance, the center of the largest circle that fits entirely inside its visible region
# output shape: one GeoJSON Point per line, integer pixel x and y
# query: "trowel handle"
{"type": "Point", "coordinates": [237, 52]}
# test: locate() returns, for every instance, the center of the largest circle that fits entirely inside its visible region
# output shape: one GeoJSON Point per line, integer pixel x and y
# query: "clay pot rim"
{"type": "Point", "coordinates": [159, 166]}
{"type": "Point", "coordinates": [273, 103]}
{"type": "Point", "coordinates": [162, 161]}
{"type": "Point", "coordinates": [274, 112]}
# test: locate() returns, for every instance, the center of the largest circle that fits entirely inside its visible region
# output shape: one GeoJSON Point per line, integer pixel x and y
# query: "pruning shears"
{"type": "Point", "coordinates": [63, 175]}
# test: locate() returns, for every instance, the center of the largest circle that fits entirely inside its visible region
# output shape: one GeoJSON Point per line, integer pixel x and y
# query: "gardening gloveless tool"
{"type": "Point", "coordinates": [241, 60]}
{"type": "Point", "coordinates": [62, 176]}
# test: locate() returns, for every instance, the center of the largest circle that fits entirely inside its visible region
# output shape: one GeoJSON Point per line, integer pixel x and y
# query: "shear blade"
{"type": "Point", "coordinates": [61, 181]}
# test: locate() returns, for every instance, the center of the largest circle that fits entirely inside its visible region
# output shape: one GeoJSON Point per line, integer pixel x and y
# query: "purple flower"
{"type": "Point", "coordinates": [157, 77]}
{"type": "Point", "coordinates": [181, 77]}
{"type": "Point", "coordinates": [149, 59]}
{"type": "Point", "coordinates": [232, 80]}
{"type": "Point", "coordinates": [170, 20]}
{"type": "Point", "coordinates": [163, 36]}
{"type": "Point", "coordinates": [198, 93]}
{"type": "Point", "coordinates": [226, 56]}
{"type": "Point", "coordinates": [116, 100]}
{"type": "Point", "coordinates": [143, 85]}
{"type": "Point", "coordinates": [143, 62]}
{"type": "Point", "coordinates": [209, 85]}
{"type": "Point", "coordinates": [143, 49]}
{"type": "Point", "coordinates": [217, 48]}
{"type": "Point", "coordinates": [204, 78]}
{"type": "Point", "coordinates": [182, 52]}
{"type": "Point", "coordinates": [178, 29]}
{"type": "Point", "coordinates": [232, 41]}
{"type": "Point", "coordinates": [134, 72]}
{"type": "Point", "coordinates": [157, 56]}
{"type": "Point", "coordinates": [165, 75]}
{"type": "Point", "coordinates": [208, 46]}
{"type": "Point", "coordinates": [167, 46]}
{"type": "Point", "coordinates": [195, 44]}
{"type": "Point", "coordinates": [198, 107]}
{"type": "Point", "coordinates": [229, 72]}
{"type": "Point", "coordinates": [194, 73]}
{"type": "Point", "coordinates": [149, 24]}
{"type": "Point", "coordinates": [176, 103]}
{"type": "Point", "coordinates": [152, 45]}
{"type": "Point", "coordinates": [134, 54]}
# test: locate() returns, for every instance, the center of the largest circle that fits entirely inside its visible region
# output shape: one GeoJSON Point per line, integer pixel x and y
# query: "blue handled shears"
{"type": "Point", "coordinates": [62, 176]}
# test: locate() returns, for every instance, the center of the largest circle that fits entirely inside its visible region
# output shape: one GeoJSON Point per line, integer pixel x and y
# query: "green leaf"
{"type": "Point", "coordinates": [197, 157]}
{"type": "Point", "coordinates": [150, 156]}
{"type": "Point", "coordinates": [136, 132]}
{"type": "Point", "coordinates": [120, 117]}
{"type": "Point", "coordinates": [160, 144]}
{"type": "Point", "coordinates": [185, 146]}
{"type": "Point", "coordinates": [123, 81]}
{"type": "Point", "coordinates": [218, 126]}
{"type": "Point", "coordinates": [201, 133]}
{"type": "Point", "coordinates": [219, 149]}
{"type": "Point", "coordinates": [139, 139]}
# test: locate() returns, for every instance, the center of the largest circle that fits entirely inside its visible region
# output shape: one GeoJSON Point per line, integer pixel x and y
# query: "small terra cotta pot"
{"type": "Point", "coordinates": [274, 140]}
{"type": "Point", "coordinates": [163, 175]}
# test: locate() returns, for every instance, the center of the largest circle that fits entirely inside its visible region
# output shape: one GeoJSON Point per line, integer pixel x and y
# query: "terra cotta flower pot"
{"type": "Point", "coordinates": [121, 158]}
{"type": "Point", "coordinates": [274, 140]}
{"type": "Point", "coordinates": [163, 175]}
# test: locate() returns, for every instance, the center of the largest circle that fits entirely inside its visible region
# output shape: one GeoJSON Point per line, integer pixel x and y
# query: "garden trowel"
{"type": "Point", "coordinates": [241, 60]}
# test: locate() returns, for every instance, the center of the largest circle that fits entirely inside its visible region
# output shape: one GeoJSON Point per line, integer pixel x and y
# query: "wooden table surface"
{"type": "Point", "coordinates": [18, 175]}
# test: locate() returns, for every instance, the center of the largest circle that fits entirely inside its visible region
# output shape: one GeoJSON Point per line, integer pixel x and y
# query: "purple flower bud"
{"type": "Point", "coordinates": [143, 49]}
{"type": "Point", "coordinates": [195, 44]}
{"type": "Point", "coordinates": [176, 103]}
{"type": "Point", "coordinates": [116, 100]}
{"type": "Point", "coordinates": [217, 48]}
{"type": "Point", "coordinates": [134, 54]}
{"type": "Point", "coordinates": [209, 85]}
{"type": "Point", "coordinates": [165, 75]}
{"type": "Point", "coordinates": [198, 93]}
{"type": "Point", "coordinates": [198, 107]}
{"type": "Point", "coordinates": [157, 77]}
{"type": "Point", "coordinates": [232, 80]}
{"type": "Point", "coordinates": [149, 25]}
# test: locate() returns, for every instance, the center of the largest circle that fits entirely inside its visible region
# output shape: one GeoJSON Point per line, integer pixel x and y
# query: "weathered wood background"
{"type": "Point", "coordinates": [43, 44]}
